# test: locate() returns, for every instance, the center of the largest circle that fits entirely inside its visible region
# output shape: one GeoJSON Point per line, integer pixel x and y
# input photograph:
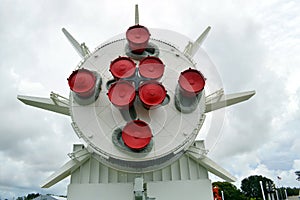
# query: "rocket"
{"type": "Point", "coordinates": [138, 101]}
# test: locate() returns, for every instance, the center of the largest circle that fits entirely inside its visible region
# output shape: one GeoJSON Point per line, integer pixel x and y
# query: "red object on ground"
{"type": "Point", "coordinates": [122, 67]}
{"type": "Point", "coordinates": [82, 82]}
{"type": "Point", "coordinates": [122, 94]}
{"type": "Point", "coordinates": [191, 82]}
{"type": "Point", "coordinates": [138, 37]}
{"type": "Point", "coordinates": [151, 67]}
{"type": "Point", "coordinates": [152, 94]}
{"type": "Point", "coordinates": [136, 134]}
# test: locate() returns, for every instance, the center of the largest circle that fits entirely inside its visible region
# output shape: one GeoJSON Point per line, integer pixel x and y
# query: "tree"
{"type": "Point", "coordinates": [292, 191]}
{"type": "Point", "coordinates": [251, 186]}
{"type": "Point", "coordinates": [230, 191]}
{"type": "Point", "coordinates": [32, 196]}
{"type": "Point", "coordinates": [29, 196]}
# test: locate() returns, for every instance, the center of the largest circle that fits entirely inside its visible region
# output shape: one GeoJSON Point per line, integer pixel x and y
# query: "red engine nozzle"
{"type": "Point", "coordinates": [191, 82]}
{"type": "Point", "coordinates": [122, 94]}
{"type": "Point", "coordinates": [136, 134]}
{"type": "Point", "coordinates": [138, 37]}
{"type": "Point", "coordinates": [152, 94]}
{"type": "Point", "coordinates": [82, 82]}
{"type": "Point", "coordinates": [151, 67]}
{"type": "Point", "coordinates": [122, 67]}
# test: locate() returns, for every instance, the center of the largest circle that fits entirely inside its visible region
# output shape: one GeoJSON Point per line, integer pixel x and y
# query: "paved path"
{"type": "Point", "coordinates": [294, 198]}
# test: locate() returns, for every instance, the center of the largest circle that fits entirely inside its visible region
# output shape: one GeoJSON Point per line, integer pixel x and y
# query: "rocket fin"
{"type": "Point", "coordinates": [81, 49]}
{"type": "Point", "coordinates": [214, 168]}
{"type": "Point", "coordinates": [192, 48]}
{"type": "Point", "coordinates": [198, 154]}
{"type": "Point", "coordinates": [219, 100]}
{"type": "Point", "coordinates": [55, 103]}
{"type": "Point", "coordinates": [79, 157]}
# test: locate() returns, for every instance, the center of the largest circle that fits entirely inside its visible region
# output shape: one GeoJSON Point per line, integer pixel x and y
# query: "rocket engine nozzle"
{"type": "Point", "coordinates": [122, 94]}
{"type": "Point", "coordinates": [122, 67]}
{"type": "Point", "coordinates": [189, 89]}
{"type": "Point", "coordinates": [136, 134]}
{"type": "Point", "coordinates": [82, 82]}
{"type": "Point", "coordinates": [152, 94]}
{"type": "Point", "coordinates": [138, 37]}
{"type": "Point", "coordinates": [191, 82]}
{"type": "Point", "coordinates": [151, 67]}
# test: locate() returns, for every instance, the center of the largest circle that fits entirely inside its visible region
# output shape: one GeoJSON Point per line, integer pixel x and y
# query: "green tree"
{"type": "Point", "coordinates": [292, 191]}
{"type": "Point", "coordinates": [251, 187]}
{"type": "Point", "coordinates": [230, 191]}
{"type": "Point", "coordinates": [32, 196]}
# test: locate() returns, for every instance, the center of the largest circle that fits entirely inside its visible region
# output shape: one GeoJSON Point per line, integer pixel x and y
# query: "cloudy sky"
{"type": "Point", "coordinates": [254, 45]}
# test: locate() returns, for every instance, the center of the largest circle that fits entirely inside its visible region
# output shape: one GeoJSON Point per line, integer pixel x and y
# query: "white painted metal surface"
{"type": "Point", "coordinates": [55, 103]}
{"type": "Point", "coordinates": [220, 100]}
{"type": "Point", "coordinates": [184, 178]}
{"type": "Point", "coordinates": [173, 131]}
{"type": "Point", "coordinates": [91, 178]}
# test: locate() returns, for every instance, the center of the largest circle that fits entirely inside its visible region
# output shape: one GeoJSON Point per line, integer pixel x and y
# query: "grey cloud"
{"type": "Point", "coordinates": [35, 142]}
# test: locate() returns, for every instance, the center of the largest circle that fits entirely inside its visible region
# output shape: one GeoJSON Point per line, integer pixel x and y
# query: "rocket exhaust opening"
{"type": "Point", "coordinates": [82, 82]}
{"type": "Point", "coordinates": [151, 67]}
{"type": "Point", "coordinates": [85, 86]}
{"type": "Point", "coordinates": [122, 67]}
{"type": "Point", "coordinates": [152, 94]}
{"type": "Point", "coordinates": [191, 82]}
{"type": "Point", "coordinates": [136, 135]}
{"type": "Point", "coordinates": [189, 90]}
{"type": "Point", "coordinates": [122, 95]}
{"type": "Point", "coordinates": [138, 37]}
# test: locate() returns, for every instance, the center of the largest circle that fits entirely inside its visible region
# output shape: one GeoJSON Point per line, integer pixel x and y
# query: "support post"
{"type": "Point", "coordinates": [262, 190]}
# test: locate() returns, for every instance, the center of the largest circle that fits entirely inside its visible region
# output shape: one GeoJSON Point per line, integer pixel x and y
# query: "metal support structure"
{"type": "Point", "coordinates": [138, 189]}
{"type": "Point", "coordinates": [276, 194]}
{"type": "Point", "coordinates": [90, 177]}
{"type": "Point", "coordinates": [222, 193]}
{"type": "Point", "coordinates": [137, 18]}
{"type": "Point", "coordinates": [286, 196]}
{"type": "Point", "coordinates": [215, 95]}
{"type": "Point", "coordinates": [262, 190]}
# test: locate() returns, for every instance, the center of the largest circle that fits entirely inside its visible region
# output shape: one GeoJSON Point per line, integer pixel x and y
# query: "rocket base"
{"type": "Point", "coordinates": [161, 190]}
{"type": "Point", "coordinates": [183, 179]}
